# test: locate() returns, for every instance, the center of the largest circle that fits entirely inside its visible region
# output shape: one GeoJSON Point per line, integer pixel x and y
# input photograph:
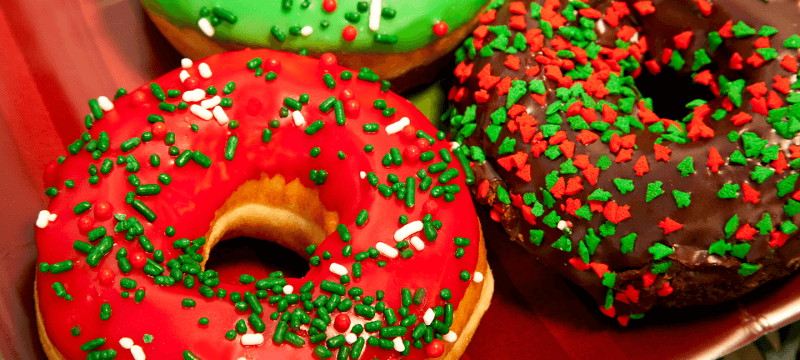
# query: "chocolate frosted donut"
{"type": "Point", "coordinates": [581, 170]}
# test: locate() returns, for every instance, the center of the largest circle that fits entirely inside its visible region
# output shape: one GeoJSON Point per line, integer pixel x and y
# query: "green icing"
{"type": "Point", "coordinates": [412, 22]}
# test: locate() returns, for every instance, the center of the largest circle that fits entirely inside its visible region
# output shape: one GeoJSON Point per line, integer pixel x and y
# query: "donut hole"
{"type": "Point", "coordinates": [253, 256]}
{"type": "Point", "coordinates": [286, 217]}
{"type": "Point", "coordinates": [671, 91]}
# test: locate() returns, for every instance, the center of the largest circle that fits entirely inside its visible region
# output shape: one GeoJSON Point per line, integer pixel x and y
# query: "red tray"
{"type": "Point", "coordinates": [55, 55]}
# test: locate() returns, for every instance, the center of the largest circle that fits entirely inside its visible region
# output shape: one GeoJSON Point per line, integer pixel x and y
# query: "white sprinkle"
{"type": "Point", "coordinates": [454, 145]}
{"type": "Point", "coordinates": [478, 277]}
{"type": "Point", "coordinates": [428, 317]}
{"type": "Point", "coordinates": [105, 104]}
{"type": "Point", "coordinates": [205, 71]}
{"type": "Point", "coordinates": [252, 339]}
{"type": "Point", "coordinates": [398, 126]}
{"type": "Point", "coordinates": [338, 269]}
{"type": "Point", "coordinates": [210, 103]}
{"type": "Point", "coordinates": [601, 26]}
{"type": "Point", "coordinates": [363, 175]}
{"type": "Point", "coordinates": [200, 112]}
{"type": "Point", "coordinates": [398, 344]}
{"type": "Point", "coordinates": [43, 219]}
{"type": "Point", "coordinates": [387, 250]}
{"type": "Point", "coordinates": [306, 30]}
{"type": "Point", "coordinates": [186, 63]}
{"type": "Point", "coordinates": [52, 217]}
{"type": "Point", "coordinates": [194, 95]}
{"type": "Point", "coordinates": [241, 358]}
{"type": "Point", "coordinates": [126, 343]}
{"type": "Point", "coordinates": [375, 15]}
{"type": "Point", "coordinates": [407, 230]}
{"type": "Point", "coordinates": [288, 289]}
{"type": "Point", "coordinates": [299, 120]}
{"type": "Point", "coordinates": [206, 27]}
{"type": "Point", "coordinates": [450, 337]}
{"type": "Point", "coordinates": [350, 338]}
{"type": "Point", "coordinates": [417, 243]}
{"type": "Point", "coordinates": [221, 116]}
{"type": "Point", "coordinates": [635, 38]}
{"type": "Point", "coordinates": [137, 352]}
{"type": "Point", "coordinates": [184, 75]}
{"type": "Point", "coordinates": [562, 225]}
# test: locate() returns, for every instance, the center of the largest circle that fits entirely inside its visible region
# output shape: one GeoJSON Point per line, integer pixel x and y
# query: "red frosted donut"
{"type": "Point", "coordinates": [262, 146]}
{"type": "Point", "coordinates": [593, 179]}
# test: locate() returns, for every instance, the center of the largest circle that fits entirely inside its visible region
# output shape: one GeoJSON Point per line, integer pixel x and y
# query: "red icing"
{"type": "Point", "coordinates": [188, 204]}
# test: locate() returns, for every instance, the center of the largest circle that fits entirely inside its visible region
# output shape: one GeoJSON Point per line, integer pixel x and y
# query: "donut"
{"type": "Point", "coordinates": [272, 145]}
{"type": "Point", "coordinates": [404, 42]}
{"type": "Point", "coordinates": [639, 210]}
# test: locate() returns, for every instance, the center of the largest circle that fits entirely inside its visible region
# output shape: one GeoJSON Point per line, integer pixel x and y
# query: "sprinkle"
{"type": "Point", "coordinates": [288, 289]}
{"type": "Point", "coordinates": [105, 103]}
{"type": "Point", "coordinates": [387, 250]}
{"type": "Point", "coordinates": [450, 337]}
{"type": "Point", "coordinates": [184, 75]}
{"type": "Point", "coordinates": [204, 70]}
{"type": "Point", "coordinates": [43, 219]}
{"type": "Point", "coordinates": [478, 277]}
{"type": "Point", "coordinates": [407, 230]}
{"type": "Point", "coordinates": [194, 95]}
{"type": "Point", "coordinates": [306, 30]}
{"type": "Point", "coordinates": [428, 317]}
{"type": "Point", "coordinates": [375, 15]}
{"type": "Point", "coordinates": [252, 339]}
{"type": "Point", "coordinates": [210, 103]}
{"type": "Point", "coordinates": [200, 112]}
{"type": "Point", "coordinates": [298, 118]}
{"type": "Point", "coordinates": [220, 115]}
{"type": "Point", "coordinates": [398, 341]}
{"type": "Point", "coordinates": [363, 175]}
{"type": "Point", "coordinates": [397, 126]}
{"type": "Point", "coordinates": [186, 63]}
{"type": "Point", "coordinates": [338, 269]}
{"type": "Point", "coordinates": [126, 343]}
{"type": "Point", "coordinates": [206, 27]}
{"type": "Point", "coordinates": [137, 352]}
{"type": "Point", "coordinates": [417, 243]}
{"type": "Point", "coordinates": [350, 338]}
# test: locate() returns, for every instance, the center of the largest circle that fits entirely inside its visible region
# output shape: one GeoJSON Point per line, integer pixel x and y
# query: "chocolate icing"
{"type": "Point", "coordinates": [695, 276]}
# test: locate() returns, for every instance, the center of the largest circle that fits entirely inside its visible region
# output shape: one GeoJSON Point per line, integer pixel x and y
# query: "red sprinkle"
{"type": "Point", "coordinates": [430, 207]}
{"type": "Point", "coordinates": [641, 167]}
{"type": "Point", "coordinates": [435, 349]}
{"type": "Point", "coordinates": [669, 225]}
{"type": "Point", "coordinates": [342, 322]}
{"type": "Point", "coordinates": [138, 97]}
{"type": "Point", "coordinates": [85, 224]}
{"type": "Point", "coordinates": [704, 6]}
{"type": "Point", "coordinates": [105, 276]}
{"type": "Point", "coordinates": [644, 7]}
{"type": "Point", "coordinates": [648, 279]}
{"type": "Point", "coordinates": [662, 152]}
{"type": "Point", "coordinates": [328, 60]}
{"type": "Point", "coordinates": [440, 28]}
{"type": "Point", "coordinates": [665, 290]}
{"type": "Point", "coordinates": [138, 259]}
{"type": "Point", "coordinates": [273, 64]}
{"type": "Point", "coordinates": [349, 33]}
{"type": "Point", "coordinates": [103, 210]}
{"type": "Point", "coordinates": [329, 5]}
{"type": "Point", "coordinates": [746, 232]}
{"type": "Point", "coordinates": [714, 159]}
{"type": "Point", "coordinates": [750, 195]}
{"type": "Point", "coordinates": [683, 39]}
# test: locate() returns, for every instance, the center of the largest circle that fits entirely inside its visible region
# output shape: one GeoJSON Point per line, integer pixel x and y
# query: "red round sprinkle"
{"type": "Point", "coordinates": [138, 98]}
{"type": "Point", "coordinates": [159, 130]}
{"type": "Point", "coordinates": [411, 152]}
{"type": "Point", "coordinates": [409, 133]}
{"type": "Point", "coordinates": [440, 28]}
{"type": "Point", "coordinates": [434, 349]}
{"type": "Point", "coordinates": [138, 259]}
{"type": "Point", "coordinates": [352, 108]}
{"type": "Point", "coordinates": [85, 224]}
{"type": "Point", "coordinates": [329, 5]}
{"type": "Point", "coordinates": [423, 144]}
{"type": "Point", "coordinates": [254, 107]}
{"type": "Point", "coordinates": [345, 95]}
{"type": "Point", "coordinates": [106, 276]}
{"type": "Point", "coordinates": [349, 33]}
{"type": "Point", "coordinates": [103, 210]}
{"type": "Point", "coordinates": [328, 60]}
{"type": "Point", "coordinates": [191, 83]}
{"type": "Point", "coordinates": [430, 207]}
{"type": "Point", "coordinates": [342, 322]}
{"type": "Point", "coordinates": [273, 64]}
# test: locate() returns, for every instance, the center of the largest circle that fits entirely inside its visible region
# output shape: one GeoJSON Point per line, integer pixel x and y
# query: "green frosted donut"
{"type": "Point", "coordinates": [381, 26]}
